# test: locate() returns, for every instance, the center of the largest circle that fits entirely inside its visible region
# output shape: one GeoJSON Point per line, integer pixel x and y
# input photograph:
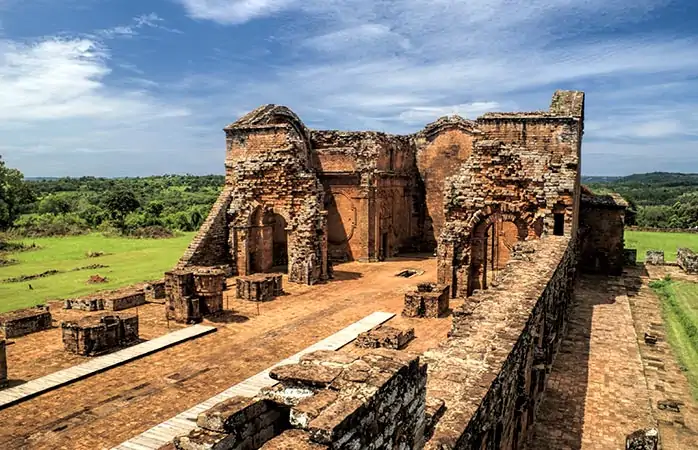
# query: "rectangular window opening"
{"type": "Point", "coordinates": [559, 226]}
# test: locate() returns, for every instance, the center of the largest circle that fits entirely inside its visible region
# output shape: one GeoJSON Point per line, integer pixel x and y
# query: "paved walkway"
{"type": "Point", "coordinates": [597, 393]}
{"type": "Point", "coordinates": [183, 423]}
{"type": "Point", "coordinates": [98, 364]}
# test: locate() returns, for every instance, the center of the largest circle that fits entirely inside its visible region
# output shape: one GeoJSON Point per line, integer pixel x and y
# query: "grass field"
{"type": "Point", "coordinates": [652, 240]}
{"type": "Point", "coordinates": [680, 313]}
{"type": "Point", "coordinates": [130, 261]}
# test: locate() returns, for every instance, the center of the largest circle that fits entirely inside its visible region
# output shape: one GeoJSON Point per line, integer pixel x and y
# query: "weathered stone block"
{"type": "Point", "coordinates": [427, 300]}
{"type": "Point", "coordinates": [292, 440]}
{"type": "Point", "coordinates": [96, 335]}
{"type": "Point", "coordinates": [25, 321]}
{"type": "Point", "coordinates": [227, 416]}
{"type": "Point", "coordinates": [654, 257]}
{"type": "Point", "coordinates": [259, 287]}
{"type": "Point", "coordinates": [687, 260]}
{"type": "Point", "coordinates": [307, 374]}
{"type": "Point", "coordinates": [386, 337]}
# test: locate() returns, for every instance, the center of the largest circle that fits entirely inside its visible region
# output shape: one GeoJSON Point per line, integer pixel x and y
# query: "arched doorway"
{"type": "Point", "coordinates": [492, 243]}
{"type": "Point", "coordinates": [279, 238]}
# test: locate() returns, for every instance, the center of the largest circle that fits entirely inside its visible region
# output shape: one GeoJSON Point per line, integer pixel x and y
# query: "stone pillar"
{"type": "Point", "coordinates": [3, 364]}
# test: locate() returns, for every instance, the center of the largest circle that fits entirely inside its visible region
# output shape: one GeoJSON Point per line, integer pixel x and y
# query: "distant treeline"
{"type": "Point", "coordinates": [657, 200]}
{"type": "Point", "coordinates": [148, 206]}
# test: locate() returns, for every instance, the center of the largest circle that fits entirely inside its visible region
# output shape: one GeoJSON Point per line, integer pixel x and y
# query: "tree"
{"type": "Point", "coordinates": [155, 208]}
{"type": "Point", "coordinates": [120, 203]}
{"type": "Point", "coordinates": [14, 193]}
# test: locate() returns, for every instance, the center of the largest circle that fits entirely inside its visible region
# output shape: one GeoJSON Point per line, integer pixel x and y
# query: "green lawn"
{"type": "Point", "coordinates": [130, 261]}
{"type": "Point", "coordinates": [680, 313]}
{"type": "Point", "coordinates": [652, 240]}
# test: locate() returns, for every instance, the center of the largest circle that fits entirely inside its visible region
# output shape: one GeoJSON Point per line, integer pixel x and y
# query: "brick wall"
{"type": "Point", "coordinates": [601, 226]}
{"type": "Point", "coordinates": [491, 371]}
{"type": "Point", "coordinates": [95, 335]}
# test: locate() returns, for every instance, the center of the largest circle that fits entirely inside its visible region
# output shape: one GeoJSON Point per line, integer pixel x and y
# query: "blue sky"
{"type": "Point", "coordinates": [136, 87]}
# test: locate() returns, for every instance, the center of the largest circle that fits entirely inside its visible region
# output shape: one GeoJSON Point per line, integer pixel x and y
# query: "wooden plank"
{"type": "Point", "coordinates": [184, 422]}
{"type": "Point", "coordinates": [63, 377]}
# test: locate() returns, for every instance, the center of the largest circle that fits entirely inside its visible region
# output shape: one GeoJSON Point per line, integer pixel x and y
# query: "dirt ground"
{"type": "Point", "coordinates": [108, 408]}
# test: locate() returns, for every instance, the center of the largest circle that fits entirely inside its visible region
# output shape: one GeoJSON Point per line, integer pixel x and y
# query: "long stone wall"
{"type": "Point", "coordinates": [491, 372]}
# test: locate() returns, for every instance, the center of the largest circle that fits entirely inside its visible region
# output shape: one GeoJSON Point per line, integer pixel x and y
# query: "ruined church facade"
{"type": "Point", "coordinates": [296, 199]}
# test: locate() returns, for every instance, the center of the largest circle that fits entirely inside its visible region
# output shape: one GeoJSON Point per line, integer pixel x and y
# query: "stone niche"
{"type": "Point", "coordinates": [427, 300]}
{"type": "Point", "coordinates": [654, 257]}
{"type": "Point", "coordinates": [99, 334]}
{"type": "Point", "coordinates": [25, 321]}
{"type": "Point", "coordinates": [327, 400]}
{"type": "Point", "coordinates": [687, 260]}
{"type": "Point", "coordinates": [194, 292]}
{"type": "Point", "coordinates": [384, 336]}
{"type": "Point", "coordinates": [259, 287]}
{"type": "Point", "coordinates": [3, 365]}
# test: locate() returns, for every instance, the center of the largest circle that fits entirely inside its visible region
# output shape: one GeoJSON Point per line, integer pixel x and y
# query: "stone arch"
{"type": "Point", "coordinates": [491, 245]}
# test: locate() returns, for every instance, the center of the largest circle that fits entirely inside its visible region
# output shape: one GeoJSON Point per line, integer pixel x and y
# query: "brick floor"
{"type": "Point", "coordinates": [597, 393]}
{"type": "Point", "coordinates": [110, 407]}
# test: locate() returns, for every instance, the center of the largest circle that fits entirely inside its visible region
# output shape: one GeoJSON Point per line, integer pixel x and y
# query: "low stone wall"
{"type": "Point", "coordinates": [3, 365]}
{"type": "Point", "coordinates": [118, 301]}
{"type": "Point", "coordinates": [492, 370]}
{"type": "Point", "coordinates": [427, 300]}
{"type": "Point", "coordinates": [328, 400]}
{"type": "Point", "coordinates": [95, 335]}
{"type": "Point", "coordinates": [237, 423]}
{"type": "Point", "coordinates": [84, 304]}
{"type": "Point", "coordinates": [24, 321]}
{"type": "Point", "coordinates": [259, 287]}
{"type": "Point", "coordinates": [687, 260]}
{"type": "Point", "coordinates": [654, 257]}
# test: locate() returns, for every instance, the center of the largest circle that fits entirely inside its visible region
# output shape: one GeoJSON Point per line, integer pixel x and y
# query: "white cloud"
{"type": "Point", "coordinates": [233, 11]}
{"type": "Point", "coordinates": [64, 78]}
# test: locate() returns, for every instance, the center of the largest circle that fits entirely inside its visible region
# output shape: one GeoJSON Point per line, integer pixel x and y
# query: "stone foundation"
{"type": "Point", "coordinates": [154, 290]}
{"type": "Point", "coordinates": [84, 304]}
{"type": "Point", "coordinates": [687, 260]}
{"type": "Point", "coordinates": [654, 257]}
{"type": "Point", "coordinates": [630, 256]}
{"type": "Point", "coordinates": [3, 365]}
{"type": "Point", "coordinates": [25, 321]}
{"type": "Point", "coordinates": [259, 287]}
{"type": "Point", "coordinates": [384, 336]}
{"type": "Point", "coordinates": [427, 300]}
{"type": "Point", "coordinates": [96, 335]}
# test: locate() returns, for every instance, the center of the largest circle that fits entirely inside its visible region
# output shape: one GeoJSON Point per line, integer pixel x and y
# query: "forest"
{"type": "Point", "coordinates": [153, 206]}
{"type": "Point", "coordinates": [657, 200]}
{"type": "Point", "coordinates": [158, 206]}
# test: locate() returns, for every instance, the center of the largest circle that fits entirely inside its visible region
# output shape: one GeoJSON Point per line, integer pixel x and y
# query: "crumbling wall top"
{"type": "Point", "coordinates": [449, 122]}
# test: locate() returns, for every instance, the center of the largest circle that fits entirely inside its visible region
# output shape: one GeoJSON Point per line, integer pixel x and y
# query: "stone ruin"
{"type": "Point", "coordinates": [3, 365]}
{"type": "Point", "coordinates": [194, 292]}
{"type": "Point", "coordinates": [687, 259]}
{"type": "Point", "coordinates": [500, 202]}
{"type": "Point", "coordinates": [120, 299]}
{"type": "Point", "coordinates": [98, 334]}
{"type": "Point", "coordinates": [328, 400]}
{"type": "Point", "coordinates": [630, 256]}
{"type": "Point", "coordinates": [259, 287]}
{"type": "Point", "coordinates": [427, 300]}
{"type": "Point", "coordinates": [654, 257]}
{"type": "Point", "coordinates": [25, 321]}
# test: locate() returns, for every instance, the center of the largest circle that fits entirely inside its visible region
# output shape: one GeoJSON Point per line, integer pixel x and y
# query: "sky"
{"type": "Point", "coordinates": [136, 87]}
